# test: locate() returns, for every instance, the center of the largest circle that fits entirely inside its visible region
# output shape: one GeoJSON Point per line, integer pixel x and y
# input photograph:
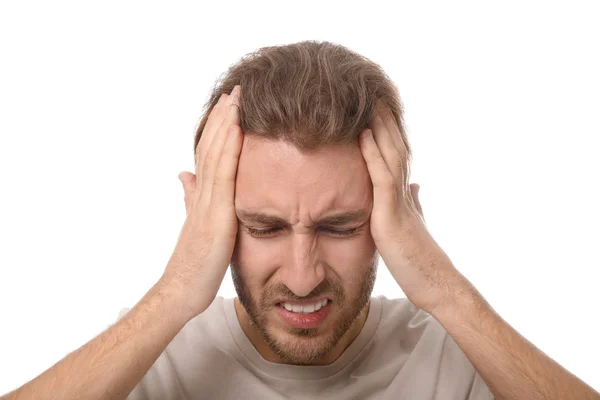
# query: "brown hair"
{"type": "Point", "coordinates": [310, 94]}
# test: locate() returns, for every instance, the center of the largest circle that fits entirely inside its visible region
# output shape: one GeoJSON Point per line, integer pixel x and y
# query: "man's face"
{"type": "Point", "coordinates": [288, 249]}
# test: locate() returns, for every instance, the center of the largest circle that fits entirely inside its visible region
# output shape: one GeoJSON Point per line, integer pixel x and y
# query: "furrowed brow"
{"type": "Point", "coordinates": [260, 218]}
{"type": "Point", "coordinates": [344, 218]}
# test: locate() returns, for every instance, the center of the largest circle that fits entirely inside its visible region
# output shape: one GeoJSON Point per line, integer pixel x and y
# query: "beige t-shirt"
{"type": "Point", "coordinates": [401, 353]}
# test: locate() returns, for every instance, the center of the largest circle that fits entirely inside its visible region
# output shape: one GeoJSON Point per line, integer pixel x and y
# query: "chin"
{"type": "Point", "coordinates": [300, 346]}
{"type": "Point", "coordinates": [296, 349]}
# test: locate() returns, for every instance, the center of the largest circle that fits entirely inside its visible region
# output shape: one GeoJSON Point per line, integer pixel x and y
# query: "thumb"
{"type": "Point", "coordinates": [414, 191]}
{"type": "Point", "coordinates": [188, 180]}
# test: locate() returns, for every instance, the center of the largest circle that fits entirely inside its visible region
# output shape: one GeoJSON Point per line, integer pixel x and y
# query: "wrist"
{"type": "Point", "coordinates": [461, 298]}
{"type": "Point", "coordinates": [167, 301]}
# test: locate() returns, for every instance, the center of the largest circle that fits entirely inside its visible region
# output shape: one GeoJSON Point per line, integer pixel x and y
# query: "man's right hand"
{"type": "Point", "coordinates": [197, 267]}
{"type": "Point", "coordinates": [123, 353]}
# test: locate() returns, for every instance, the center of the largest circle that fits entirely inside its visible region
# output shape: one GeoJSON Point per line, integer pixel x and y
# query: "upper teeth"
{"type": "Point", "coordinates": [306, 308]}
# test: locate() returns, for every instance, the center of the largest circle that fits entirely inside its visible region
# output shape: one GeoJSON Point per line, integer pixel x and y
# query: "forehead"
{"type": "Point", "coordinates": [276, 176]}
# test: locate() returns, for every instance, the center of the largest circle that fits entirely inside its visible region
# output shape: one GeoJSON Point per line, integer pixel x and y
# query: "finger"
{"type": "Point", "coordinates": [215, 119]}
{"type": "Point", "coordinates": [384, 186]}
{"type": "Point", "coordinates": [213, 123]}
{"type": "Point", "coordinates": [388, 149]}
{"type": "Point", "coordinates": [188, 181]}
{"type": "Point", "coordinates": [215, 150]}
{"type": "Point", "coordinates": [185, 179]}
{"type": "Point", "coordinates": [399, 142]}
{"type": "Point", "coordinates": [216, 115]}
{"type": "Point", "coordinates": [224, 183]}
{"type": "Point", "coordinates": [394, 130]}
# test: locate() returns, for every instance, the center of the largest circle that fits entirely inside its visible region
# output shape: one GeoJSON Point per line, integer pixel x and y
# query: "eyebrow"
{"type": "Point", "coordinates": [338, 219]}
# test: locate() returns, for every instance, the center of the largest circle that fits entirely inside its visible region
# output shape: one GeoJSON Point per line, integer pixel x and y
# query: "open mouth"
{"type": "Point", "coordinates": [304, 316]}
{"type": "Point", "coordinates": [306, 308]}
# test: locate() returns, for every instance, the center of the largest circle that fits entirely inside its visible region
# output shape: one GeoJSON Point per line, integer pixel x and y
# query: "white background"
{"type": "Point", "coordinates": [99, 101]}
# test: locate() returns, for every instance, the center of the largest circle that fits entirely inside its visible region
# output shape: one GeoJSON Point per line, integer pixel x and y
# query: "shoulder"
{"type": "Point", "coordinates": [199, 338]}
{"type": "Point", "coordinates": [402, 321]}
{"type": "Point", "coordinates": [203, 344]}
{"type": "Point", "coordinates": [407, 329]}
{"type": "Point", "coordinates": [401, 316]}
{"type": "Point", "coordinates": [427, 346]}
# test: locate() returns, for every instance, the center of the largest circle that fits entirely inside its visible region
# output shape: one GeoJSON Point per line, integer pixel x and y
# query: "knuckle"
{"type": "Point", "coordinates": [233, 109]}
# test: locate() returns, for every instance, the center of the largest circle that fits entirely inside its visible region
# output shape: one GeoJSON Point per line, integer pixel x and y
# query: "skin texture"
{"type": "Point", "coordinates": [301, 258]}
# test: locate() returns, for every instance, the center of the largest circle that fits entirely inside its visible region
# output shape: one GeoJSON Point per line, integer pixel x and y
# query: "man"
{"type": "Point", "coordinates": [302, 181]}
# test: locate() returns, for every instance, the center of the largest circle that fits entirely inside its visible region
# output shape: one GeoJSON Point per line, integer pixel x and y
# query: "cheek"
{"type": "Point", "coordinates": [348, 254]}
{"type": "Point", "coordinates": [256, 257]}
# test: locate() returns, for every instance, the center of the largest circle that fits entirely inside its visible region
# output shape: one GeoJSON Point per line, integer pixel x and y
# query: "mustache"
{"type": "Point", "coordinates": [327, 288]}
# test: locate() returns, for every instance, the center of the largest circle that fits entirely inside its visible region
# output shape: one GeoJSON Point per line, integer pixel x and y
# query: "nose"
{"type": "Point", "coordinates": [301, 271]}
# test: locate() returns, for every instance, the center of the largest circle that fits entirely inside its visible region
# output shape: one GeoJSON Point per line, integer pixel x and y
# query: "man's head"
{"type": "Point", "coordinates": [303, 235]}
{"type": "Point", "coordinates": [304, 196]}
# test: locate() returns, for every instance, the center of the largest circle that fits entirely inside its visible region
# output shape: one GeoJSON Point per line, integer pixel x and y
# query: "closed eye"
{"type": "Point", "coordinates": [262, 232]}
{"type": "Point", "coordinates": [268, 232]}
{"type": "Point", "coordinates": [345, 232]}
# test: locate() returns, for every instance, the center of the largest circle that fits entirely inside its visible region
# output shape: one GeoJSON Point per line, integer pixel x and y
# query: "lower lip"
{"type": "Point", "coordinates": [304, 321]}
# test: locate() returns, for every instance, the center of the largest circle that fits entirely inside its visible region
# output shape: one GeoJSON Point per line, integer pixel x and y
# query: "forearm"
{"type": "Point", "coordinates": [512, 367]}
{"type": "Point", "coordinates": [110, 365]}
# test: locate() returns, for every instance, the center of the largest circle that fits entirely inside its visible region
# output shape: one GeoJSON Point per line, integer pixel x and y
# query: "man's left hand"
{"type": "Point", "coordinates": [431, 282]}
{"type": "Point", "coordinates": [421, 268]}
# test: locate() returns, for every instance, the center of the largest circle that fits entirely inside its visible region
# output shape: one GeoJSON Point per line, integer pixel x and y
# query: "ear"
{"type": "Point", "coordinates": [414, 192]}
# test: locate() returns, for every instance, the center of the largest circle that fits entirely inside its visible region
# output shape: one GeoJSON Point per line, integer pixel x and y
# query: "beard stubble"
{"type": "Point", "coordinates": [300, 349]}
